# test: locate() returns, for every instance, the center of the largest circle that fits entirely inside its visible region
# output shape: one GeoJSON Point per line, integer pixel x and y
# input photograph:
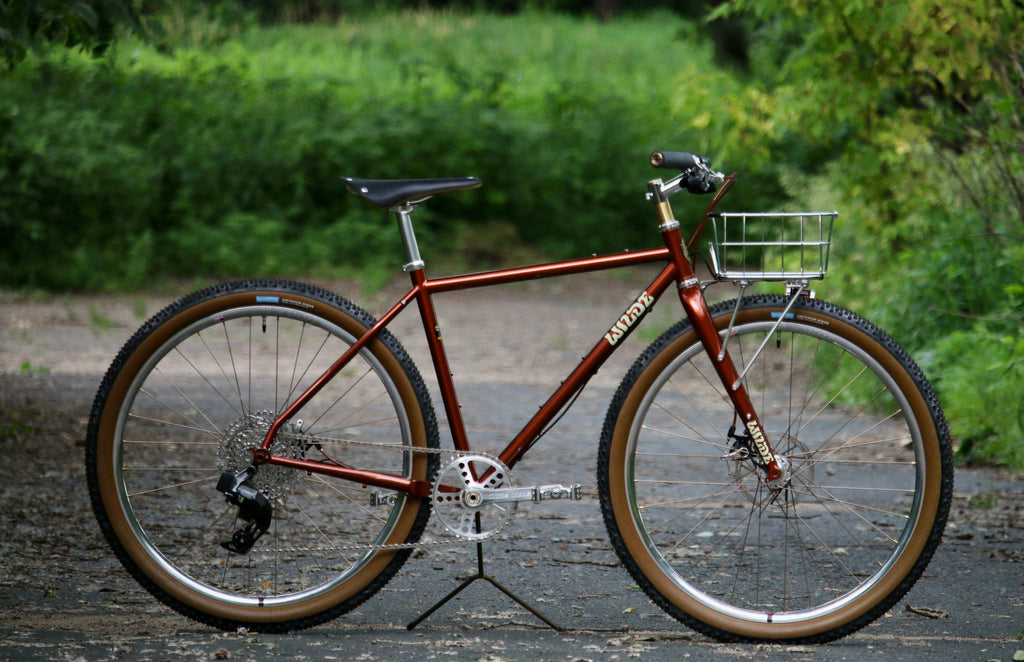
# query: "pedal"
{"type": "Point", "coordinates": [388, 499]}
{"type": "Point", "coordinates": [253, 508]}
{"type": "Point", "coordinates": [572, 492]}
{"type": "Point", "coordinates": [536, 493]}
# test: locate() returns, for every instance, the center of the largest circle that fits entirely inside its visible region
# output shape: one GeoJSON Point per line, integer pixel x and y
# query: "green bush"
{"type": "Point", "coordinates": [149, 167]}
{"type": "Point", "coordinates": [215, 152]}
{"type": "Point", "coordinates": [946, 282]}
{"type": "Point", "coordinates": [982, 378]}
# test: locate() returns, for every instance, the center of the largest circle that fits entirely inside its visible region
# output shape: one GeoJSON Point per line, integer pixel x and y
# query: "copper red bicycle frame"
{"type": "Point", "coordinates": [677, 270]}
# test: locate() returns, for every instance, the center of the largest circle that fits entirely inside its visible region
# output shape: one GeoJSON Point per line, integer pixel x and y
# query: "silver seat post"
{"type": "Point", "coordinates": [412, 250]}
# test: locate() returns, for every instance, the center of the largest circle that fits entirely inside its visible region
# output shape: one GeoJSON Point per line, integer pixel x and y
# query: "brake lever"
{"type": "Point", "coordinates": [702, 180]}
{"type": "Point", "coordinates": [699, 180]}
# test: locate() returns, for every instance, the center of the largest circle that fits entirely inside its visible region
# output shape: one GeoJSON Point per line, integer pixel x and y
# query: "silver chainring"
{"type": "Point", "coordinates": [248, 432]}
{"type": "Point", "coordinates": [457, 494]}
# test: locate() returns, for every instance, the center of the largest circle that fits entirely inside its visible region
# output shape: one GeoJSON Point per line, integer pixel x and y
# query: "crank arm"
{"type": "Point", "coordinates": [536, 493]}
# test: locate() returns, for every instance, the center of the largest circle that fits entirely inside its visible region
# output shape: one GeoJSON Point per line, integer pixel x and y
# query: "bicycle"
{"type": "Point", "coordinates": [265, 454]}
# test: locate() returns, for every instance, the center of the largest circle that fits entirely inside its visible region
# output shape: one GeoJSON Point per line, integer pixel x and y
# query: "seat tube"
{"type": "Point", "coordinates": [431, 327]}
{"type": "Point", "coordinates": [692, 297]}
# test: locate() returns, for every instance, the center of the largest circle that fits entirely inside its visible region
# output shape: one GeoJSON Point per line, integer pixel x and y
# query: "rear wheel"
{"type": "Point", "coordinates": [193, 391]}
{"type": "Point", "coordinates": [870, 476]}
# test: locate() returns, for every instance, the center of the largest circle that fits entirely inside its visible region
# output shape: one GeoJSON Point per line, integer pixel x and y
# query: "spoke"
{"type": "Point", "coordinates": [173, 486]}
{"type": "Point", "coordinates": [309, 364]}
{"type": "Point", "coordinates": [170, 442]}
{"type": "Point", "coordinates": [805, 561]}
{"type": "Point", "coordinates": [231, 355]}
{"type": "Point", "coordinates": [711, 511]}
{"type": "Point", "coordinates": [833, 399]}
{"type": "Point", "coordinates": [684, 482]}
{"type": "Point", "coordinates": [314, 525]}
{"type": "Point", "coordinates": [796, 520]}
{"type": "Point", "coordinates": [742, 546]}
{"type": "Point", "coordinates": [202, 375]}
{"type": "Point", "coordinates": [649, 505]}
{"type": "Point", "coordinates": [676, 435]}
{"type": "Point", "coordinates": [716, 388]}
{"type": "Point", "coordinates": [721, 538]}
{"type": "Point", "coordinates": [855, 442]}
{"type": "Point", "coordinates": [293, 382]}
{"type": "Point", "coordinates": [185, 397]}
{"type": "Point", "coordinates": [160, 421]}
{"type": "Point", "coordinates": [808, 395]}
{"type": "Point", "coordinates": [250, 355]}
{"type": "Point", "coordinates": [873, 463]}
{"type": "Point", "coordinates": [195, 540]}
{"type": "Point", "coordinates": [850, 509]}
{"type": "Point", "coordinates": [277, 362]}
{"type": "Point", "coordinates": [340, 424]}
{"type": "Point", "coordinates": [683, 456]}
{"type": "Point", "coordinates": [343, 494]}
{"type": "Point", "coordinates": [858, 506]}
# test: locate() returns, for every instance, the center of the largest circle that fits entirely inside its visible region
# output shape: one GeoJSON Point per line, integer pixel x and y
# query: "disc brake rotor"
{"type": "Point", "coordinates": [457, 497]}
{"type": "Point", "coordinates": [747, 477]}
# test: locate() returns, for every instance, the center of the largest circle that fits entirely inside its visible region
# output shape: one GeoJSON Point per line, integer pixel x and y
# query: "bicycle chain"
{"type": "Point", "coordinates": [452, 455]}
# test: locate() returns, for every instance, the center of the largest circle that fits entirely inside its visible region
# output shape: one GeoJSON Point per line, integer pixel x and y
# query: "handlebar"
{"type": "Point", "coordinates": [675, 160]}
{"type": "Point", "coordinates": [696, 176]}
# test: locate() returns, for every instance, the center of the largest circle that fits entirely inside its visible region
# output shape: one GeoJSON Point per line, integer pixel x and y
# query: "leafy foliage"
{"type": "Point", "coordinates": [101, 165]}
{"type": "Point", "coordinates": [909, 115]}
{"type": "Point", "coordinates": [88, 24]}
{"type": "Point", "coordinates": [214, 150]}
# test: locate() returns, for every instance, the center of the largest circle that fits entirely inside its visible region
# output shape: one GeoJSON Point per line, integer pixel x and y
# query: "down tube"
{"type": "Point", "coordinates": [590, 364]}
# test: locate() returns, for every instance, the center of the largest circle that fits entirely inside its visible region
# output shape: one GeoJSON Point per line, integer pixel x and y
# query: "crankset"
{"type": "Point", "coordinates": [475, 498]}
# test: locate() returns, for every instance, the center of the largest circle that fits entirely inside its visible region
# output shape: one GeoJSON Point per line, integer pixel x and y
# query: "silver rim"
{"type": "Point", "coordinates": [219, 379]}
{"type": "Point", "coordinates": [736, 547]}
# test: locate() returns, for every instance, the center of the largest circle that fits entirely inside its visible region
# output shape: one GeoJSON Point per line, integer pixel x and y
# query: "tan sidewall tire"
{"type": "Point", "coordinates": [633, 537]}
{"type": "Point", "coordinates": [109, 490]}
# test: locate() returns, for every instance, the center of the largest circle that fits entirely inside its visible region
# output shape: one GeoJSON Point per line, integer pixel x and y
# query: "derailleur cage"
{"type": "Point", "coordinates": [253, 508]}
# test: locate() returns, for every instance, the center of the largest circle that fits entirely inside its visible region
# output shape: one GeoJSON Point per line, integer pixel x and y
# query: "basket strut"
{"type": "Point", "coordinates": [798, 289]}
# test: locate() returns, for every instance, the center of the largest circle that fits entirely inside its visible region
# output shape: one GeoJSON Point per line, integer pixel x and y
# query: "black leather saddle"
{"type": "Point", "coordinates": [389, 193]}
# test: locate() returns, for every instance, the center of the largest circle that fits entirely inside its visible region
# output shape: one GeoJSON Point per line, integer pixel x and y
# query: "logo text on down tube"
{"type": "Point", "coordinates": [629, 318]}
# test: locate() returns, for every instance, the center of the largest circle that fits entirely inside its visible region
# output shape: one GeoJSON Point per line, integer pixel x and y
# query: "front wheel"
{"type": "Point", "coordinates": [187, 399]}
{"type": "Point", "coordinates": [853, 527]}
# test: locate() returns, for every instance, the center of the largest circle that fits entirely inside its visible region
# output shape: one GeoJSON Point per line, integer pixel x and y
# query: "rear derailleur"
{"type": "Point", "coordinates": [253, 508]}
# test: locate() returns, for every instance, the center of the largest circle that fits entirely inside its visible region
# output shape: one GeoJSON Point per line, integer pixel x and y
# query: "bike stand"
{"type": "Point", "coordinates": [493, 582]}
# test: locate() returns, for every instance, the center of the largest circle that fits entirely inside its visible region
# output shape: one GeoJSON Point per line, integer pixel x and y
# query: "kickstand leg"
{"type": "Point", "coordinates": [493, 582]}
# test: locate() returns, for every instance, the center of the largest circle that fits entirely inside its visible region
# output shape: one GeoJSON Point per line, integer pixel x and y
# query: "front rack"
{"type": "Point", "coordinates": [772, 246]}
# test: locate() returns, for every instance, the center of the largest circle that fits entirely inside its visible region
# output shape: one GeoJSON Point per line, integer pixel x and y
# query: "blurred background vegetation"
{"type": "Point", "coordinates": [144, 139]}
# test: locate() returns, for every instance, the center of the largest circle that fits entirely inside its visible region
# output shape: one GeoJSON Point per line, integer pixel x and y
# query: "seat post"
{"type": "Point", "coordinates": [403, 213]}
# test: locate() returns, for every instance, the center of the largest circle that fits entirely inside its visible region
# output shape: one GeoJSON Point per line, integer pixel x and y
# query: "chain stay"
{"type": "Point", "coordinates": [390, 498]}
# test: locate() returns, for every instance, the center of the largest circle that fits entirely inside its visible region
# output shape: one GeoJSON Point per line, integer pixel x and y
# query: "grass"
{"type": "Point", "coordinates": [28, 369]}
{"type": "Point", "coordinates": [515, 62]}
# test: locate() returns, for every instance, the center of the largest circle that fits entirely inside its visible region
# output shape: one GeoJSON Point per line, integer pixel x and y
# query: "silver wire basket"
{"type": "Point", "coordinates": [777, 247]}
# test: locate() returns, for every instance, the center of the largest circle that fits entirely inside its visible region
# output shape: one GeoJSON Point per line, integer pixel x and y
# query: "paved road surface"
{"type": "Point", "coordinates": [63, 596]}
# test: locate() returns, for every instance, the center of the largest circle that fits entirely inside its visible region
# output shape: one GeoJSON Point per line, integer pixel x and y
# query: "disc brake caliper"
{"type": "Point", "coordinates": [742, 448]}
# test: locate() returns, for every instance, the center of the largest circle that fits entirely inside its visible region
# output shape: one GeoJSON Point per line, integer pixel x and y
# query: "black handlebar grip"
{"type": "Point", "coordinates": [675, 160]}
